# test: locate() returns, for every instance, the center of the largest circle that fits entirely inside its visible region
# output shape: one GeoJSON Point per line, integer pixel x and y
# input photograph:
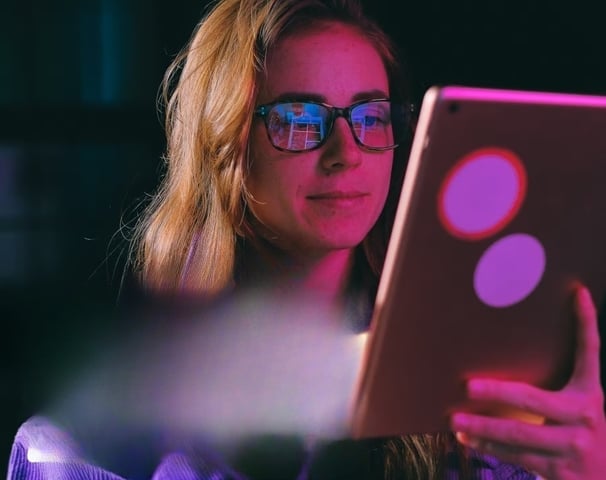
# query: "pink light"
{"type": "Point", "coordinates": [518, 96]}
{"type": "Point", "coordinates": [482, 193]}
{"type": "Point", "coordinates": [509, 270]}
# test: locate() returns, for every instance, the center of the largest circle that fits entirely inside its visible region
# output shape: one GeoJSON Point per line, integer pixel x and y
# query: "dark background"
{"type": "Point", "coordinates": [80, 142]}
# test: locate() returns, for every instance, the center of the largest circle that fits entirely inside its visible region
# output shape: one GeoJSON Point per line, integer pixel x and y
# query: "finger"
{"type": "Point", "coordinates": [539, 463]}
{"type": "Point", "coordinates": [587, 362]}
{"type": "Point", "coordinates": [548, 440]}
{"type": "Point", "coordinates": [527, 398]}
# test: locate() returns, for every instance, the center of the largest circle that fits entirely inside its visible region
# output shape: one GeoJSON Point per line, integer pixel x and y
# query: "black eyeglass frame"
{"type": "Point", "coordinates": [408, 110]}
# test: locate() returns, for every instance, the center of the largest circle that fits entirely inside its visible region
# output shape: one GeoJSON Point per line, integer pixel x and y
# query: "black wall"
{"type": "Point", "coordinates": [80, 142]}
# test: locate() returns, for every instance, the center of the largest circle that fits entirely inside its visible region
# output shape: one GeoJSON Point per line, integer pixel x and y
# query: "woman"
{"type": "Point", "coordinates": [286, 151]}
{"type": "Point", "coordinates": [240, 202]}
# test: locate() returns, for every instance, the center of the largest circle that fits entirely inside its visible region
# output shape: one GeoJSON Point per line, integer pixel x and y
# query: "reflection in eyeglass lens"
{"type": "Point", "coordinates": [302, 126]}
{"type": "Point", "coordinates": [297, 126]}
{"type": "Point", "coordinates": [372, 124]}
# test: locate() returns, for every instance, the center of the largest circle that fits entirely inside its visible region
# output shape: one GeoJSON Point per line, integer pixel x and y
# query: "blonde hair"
{"type": "Point", "coordinates": [207, 124]}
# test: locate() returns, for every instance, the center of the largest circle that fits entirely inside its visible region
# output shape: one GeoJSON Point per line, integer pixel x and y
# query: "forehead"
{"type": "Point", "coordinates": [331, 60]}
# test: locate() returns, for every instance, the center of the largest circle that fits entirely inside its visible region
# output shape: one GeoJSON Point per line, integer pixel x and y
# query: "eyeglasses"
{"type": "Point", "coordinates": [294, 126]}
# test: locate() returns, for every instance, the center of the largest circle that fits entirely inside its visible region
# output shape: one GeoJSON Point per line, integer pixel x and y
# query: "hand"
{"type": "Point", "coordinates": [571, 444]}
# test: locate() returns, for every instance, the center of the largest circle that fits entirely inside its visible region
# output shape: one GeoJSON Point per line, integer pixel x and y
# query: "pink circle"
{"type": "Point", "coordinates": [509, 270]}
{"type": "Point", "coordinates": [482, 193]}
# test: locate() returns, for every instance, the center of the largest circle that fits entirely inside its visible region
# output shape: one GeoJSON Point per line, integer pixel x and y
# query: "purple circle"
{"type": "Point", "coordinates": [509, 270]}
{"type": "Point", "coordinates": [482, 194]}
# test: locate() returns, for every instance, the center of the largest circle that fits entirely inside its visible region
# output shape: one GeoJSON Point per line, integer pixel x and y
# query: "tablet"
{"type": "Point", "coordinates": [501, 214]}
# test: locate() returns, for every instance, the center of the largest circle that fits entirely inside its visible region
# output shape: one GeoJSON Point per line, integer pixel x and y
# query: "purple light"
{"type": "Point", "coordinates": [509, 270]}
{"type": "Point", "coordinates": [482, 193]}
{"type": "Point", "coordinates": [516, 96]}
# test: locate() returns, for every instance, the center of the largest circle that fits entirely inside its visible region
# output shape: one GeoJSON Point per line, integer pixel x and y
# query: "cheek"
{"type": "Point", "coordinates": [254, 182]}
{"type": "Point", "coordinates": [275, 189]}
{"type": "Point", "coordinates": [274, 183]}
{"type": "Point", "coordinates": [273, 174]}
{"type": "Point", "coordinates": [382, 176]}
{"type": "Point", "coordinates": [381, 181]}
{"type": "Point", "coordinates": [260, 156]}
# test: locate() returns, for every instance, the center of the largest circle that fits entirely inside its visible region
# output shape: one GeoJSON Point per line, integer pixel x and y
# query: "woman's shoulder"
{"type": "Point", "coordinates": [43, 450]}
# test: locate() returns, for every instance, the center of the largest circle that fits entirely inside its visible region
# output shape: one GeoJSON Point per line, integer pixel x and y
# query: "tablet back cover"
{"type": "Point", "coordinates": [501, 214]}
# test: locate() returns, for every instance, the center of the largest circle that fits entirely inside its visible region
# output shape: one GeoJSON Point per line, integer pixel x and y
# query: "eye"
{"type": "Point", "coordinates": [370, 121]}
{"type": "Point", "coordinates": [372, 115]}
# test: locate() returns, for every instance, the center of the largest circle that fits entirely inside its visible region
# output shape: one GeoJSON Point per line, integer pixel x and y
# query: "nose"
{"type": "Point", "coordinates": [341, 150]}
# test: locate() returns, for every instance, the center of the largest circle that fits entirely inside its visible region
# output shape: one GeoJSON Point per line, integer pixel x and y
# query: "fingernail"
{"type": "Point", "coordinates": [464, 439]}
{"type": "Point", "coordinates": [474, 387]}
{"type": "Point", "coordinates": [459, 421]}
{"type": "Point", "coordinates": [584, 296]}
{"type": "Point", "coordinates": [584, 302]}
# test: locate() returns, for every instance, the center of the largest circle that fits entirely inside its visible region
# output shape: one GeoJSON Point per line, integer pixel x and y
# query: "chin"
{"type": "Point", "coordinates": [342, 236]}
{"type": "Point", "coordinates": [342, 242]}
{"type": "Point", "coordinates": [321, 241]}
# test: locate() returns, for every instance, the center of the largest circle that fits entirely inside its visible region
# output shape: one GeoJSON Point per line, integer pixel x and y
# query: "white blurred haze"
{"type": "Point", "coordinates": [251, 366]}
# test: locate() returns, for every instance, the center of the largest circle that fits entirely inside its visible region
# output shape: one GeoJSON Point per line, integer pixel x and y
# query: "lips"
{"type": "Point", "coordinates": [338, 199]}
{"type": "Point", "coordinates": [337, 195]}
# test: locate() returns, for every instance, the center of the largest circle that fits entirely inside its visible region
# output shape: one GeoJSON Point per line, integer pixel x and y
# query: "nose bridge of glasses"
{"type": "Point", "coordinates": [342, 112]}
{"type": "Point", "coordinates": [335, 113]}
{"type": "Point", "coordinates": [342, 146]}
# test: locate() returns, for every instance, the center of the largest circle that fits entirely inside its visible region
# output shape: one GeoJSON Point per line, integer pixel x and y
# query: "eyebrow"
{"type": "Point", "coordinates": [315, 97]}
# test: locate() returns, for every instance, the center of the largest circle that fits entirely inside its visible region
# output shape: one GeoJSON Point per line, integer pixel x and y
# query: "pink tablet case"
{"type": "Point", "coordinates": [501, 214]}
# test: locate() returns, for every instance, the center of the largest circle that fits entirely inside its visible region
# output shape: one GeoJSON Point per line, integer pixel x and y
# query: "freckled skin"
{"type": "Point", "coordinates": [294, 193]}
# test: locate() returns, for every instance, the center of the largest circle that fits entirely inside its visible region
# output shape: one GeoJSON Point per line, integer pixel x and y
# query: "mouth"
{"type": "Point", "coordinates": [338, 199]}
{"type": "Point", "coordinates": [337, 195]}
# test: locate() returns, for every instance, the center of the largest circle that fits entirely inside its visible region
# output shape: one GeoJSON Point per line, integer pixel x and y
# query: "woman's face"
{"type": "Point", "coordinates": [313, 202]}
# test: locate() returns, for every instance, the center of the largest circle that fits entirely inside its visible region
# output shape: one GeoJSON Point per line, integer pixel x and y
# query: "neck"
{"type": "Point", "coordinates": [326, 275]}
{"type": "Point", "coordinates": [323, 274]}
